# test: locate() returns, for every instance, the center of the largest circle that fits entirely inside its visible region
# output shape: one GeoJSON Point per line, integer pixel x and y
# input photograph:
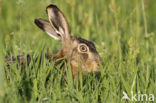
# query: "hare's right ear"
{"type": "Point", "coordinates": [46, 27]}
{"type": "Point", "coordinates": [58, 21]}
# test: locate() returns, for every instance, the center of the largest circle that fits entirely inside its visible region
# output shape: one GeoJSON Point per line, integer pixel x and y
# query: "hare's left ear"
{"type": "Point", "coordinates": [47, 28]}
{"type": "Point", "coordinates": [58, 21]}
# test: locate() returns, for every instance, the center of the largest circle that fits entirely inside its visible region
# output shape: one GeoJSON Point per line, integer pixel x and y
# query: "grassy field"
{"type": "Point", "coordinates": [123, 31]}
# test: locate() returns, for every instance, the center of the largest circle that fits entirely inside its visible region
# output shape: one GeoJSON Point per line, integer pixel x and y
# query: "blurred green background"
{"type": "Point", "coordinates": [124, 34]}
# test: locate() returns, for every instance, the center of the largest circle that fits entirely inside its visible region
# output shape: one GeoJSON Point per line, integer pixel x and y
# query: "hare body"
{"type": "Point", "coordinates": [80, 52]}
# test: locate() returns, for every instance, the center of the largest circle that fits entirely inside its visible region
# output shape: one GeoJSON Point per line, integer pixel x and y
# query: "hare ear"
{"type": "Point", "coordinates": [46, 27]}
{"type": "Point", "coordinates": [58, 21]}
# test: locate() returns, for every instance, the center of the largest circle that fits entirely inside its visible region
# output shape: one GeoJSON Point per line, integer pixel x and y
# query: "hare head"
{"type": "Point", "coordinates": [80, 52]}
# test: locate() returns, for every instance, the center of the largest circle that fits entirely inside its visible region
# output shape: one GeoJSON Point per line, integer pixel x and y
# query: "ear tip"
{"type": "Point", "coordinates": [35, 20]}
{"type": "Point", "coordinates": [51, 6]}
{"type": "Point", "coordinates": [38, 23]}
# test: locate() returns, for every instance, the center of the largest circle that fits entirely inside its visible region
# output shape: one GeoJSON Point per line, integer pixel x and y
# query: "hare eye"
{"type": "Point", "coordinates": [83, 48]}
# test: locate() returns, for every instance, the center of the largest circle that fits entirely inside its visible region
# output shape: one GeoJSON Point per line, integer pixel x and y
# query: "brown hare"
{"type": "Point", "coordinates": [74, 49]}
{"type": "Point", "coordinates": [79, 52]}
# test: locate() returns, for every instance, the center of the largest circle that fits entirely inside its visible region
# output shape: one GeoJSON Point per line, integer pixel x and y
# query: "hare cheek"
{"type": "Point", "coordinates": [92, 66]}
{"type": "Point", "coordinates": [74, 66]}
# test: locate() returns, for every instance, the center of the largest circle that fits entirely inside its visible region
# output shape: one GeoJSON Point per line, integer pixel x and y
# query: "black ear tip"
{"type": "Point", "coordinates": [38, 23]}
{"type": "Point", "coordinates": [51, 6]}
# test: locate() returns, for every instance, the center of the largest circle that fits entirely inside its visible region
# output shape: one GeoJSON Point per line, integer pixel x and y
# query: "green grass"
{"type": "Point", "coordinates": [123, 31]}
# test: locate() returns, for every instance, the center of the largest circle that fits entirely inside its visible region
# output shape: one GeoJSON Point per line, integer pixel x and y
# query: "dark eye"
{"type": "Point", "coordinates": [83, 48]}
